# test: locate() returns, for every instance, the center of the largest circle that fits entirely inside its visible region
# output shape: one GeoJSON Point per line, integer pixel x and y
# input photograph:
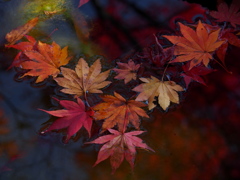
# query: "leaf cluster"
{"type": "Point", "coordinates": [157, 75]}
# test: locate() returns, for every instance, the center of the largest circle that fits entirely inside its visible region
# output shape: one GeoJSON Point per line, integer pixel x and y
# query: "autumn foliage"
{"type": "Point", "coordinates": [158, 79]}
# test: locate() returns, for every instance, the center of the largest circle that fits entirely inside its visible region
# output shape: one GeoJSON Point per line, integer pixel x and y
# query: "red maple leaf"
{"type": "Point", "coordinates": [82, 2]}
{"type": "Point", "coordinates": [228, 14]}
{"type": "Point", "coordinates": [230, 38]}
{"type": "Point", "coordinates": [119, 146]}
{"type": "Point", "coordinates": [73, 117]}
{"type": "Point", "coordinates": [195, 73]}
{"type": "Point", "coordinates": [22, 46]}
{"type": "Point", "coordinates": [157, 55]}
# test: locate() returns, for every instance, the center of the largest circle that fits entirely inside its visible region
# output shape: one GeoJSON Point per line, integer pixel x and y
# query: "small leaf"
{"type": "Point", "coordinates": [127, 71]}
{"type": "Point", "coordinates": [82, 2]}
{"type": "Point", "coordinates": [16, 34]}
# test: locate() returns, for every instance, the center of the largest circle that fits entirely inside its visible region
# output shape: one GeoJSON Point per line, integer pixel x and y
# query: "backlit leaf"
{"type": "Point", "coordinates": [195, 46]}
{"type": "Point", "coordinates": [83, 79]}
{"type": "Point", "coordinates": [73, 117]}
{"type": "Point", "coordinates": [166, 91]}
{"type": "Point", "coordinates": [116, 110]}
{"type": "Point", "coordinates": [118, 146]}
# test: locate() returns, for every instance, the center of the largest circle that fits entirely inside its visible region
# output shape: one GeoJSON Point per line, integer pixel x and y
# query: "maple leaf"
{"type": "Point", "coordinates": [118, 146]}
{"type": "Point", "coordinates": [157, 54]}
{"type": "Point", "coordinates": [82, 2]}
{"type": "Point", "coordinates": [22, 46]}
{"type": "Point", "coordinates": [116, 110]}
{"type": "Point", "coordinates": [73, 117]}
{"type": "Point", "coordinates": [194, 74]}
{"type": "Point", "coordinates": [152, 87]}
{"type": "Point", "coordinates": [84, 79]}
{"type": "Point", "coordinates": [194, 46]}
{"type": "Point", "coordinates": [228, 14]}
{"type": "Point", "coordinates": [127, 71]}
{"type": "Point", "coordinates": [45, 61]}
{"type": "Point", "coordinates": [229, 38]}
{"type": "Point", "coordinates": [16, 34]}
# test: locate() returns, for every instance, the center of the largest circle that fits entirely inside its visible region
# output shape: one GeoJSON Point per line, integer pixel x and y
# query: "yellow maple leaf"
{"type": "Point", "coordinates": [195, 46]}
{"type": "Point", "coordinates": [84, 79]}
{"type": "Point", "coordinates": [116, 110]}
{"type": "Point", "coordinates": [152, 87]}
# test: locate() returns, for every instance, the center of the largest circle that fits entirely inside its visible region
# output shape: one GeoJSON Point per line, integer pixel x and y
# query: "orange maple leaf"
{"type": "Point", "coordinates": [19, 32]}
{"type": "Point", "coordinates": [152, 87]}
{"type": "Point", "coordinates": [84, 79]}
{"type": "Point", "coordinates": [45, 61]}
{"type": "Point", "coordinates": [195, 46]}
{"type": "Point", "coordinates": [228, 14]}
{"type": "Point", "coordinates": [127, 71]}
{"type": "Point", "coordinates": [116, 110]}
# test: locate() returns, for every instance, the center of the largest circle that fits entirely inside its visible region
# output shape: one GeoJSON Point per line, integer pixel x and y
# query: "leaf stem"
{"type": "Point", "coordinates": [165, 70]}
{"type": "Point", "coordinates": [85, 96]}
{"type": "Point", "coordinates": [224, 67]}
{"type": "Point", "coordinates": [125, 121]}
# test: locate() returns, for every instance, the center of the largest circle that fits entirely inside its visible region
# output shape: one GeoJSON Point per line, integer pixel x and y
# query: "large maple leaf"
{"type": "Point", "coordinates": [195, 46]}
{"type": "Point", "coordinates": [119, 146]}
{"type": "Point", "coordinates": [152, 87]}
{"type": "Point", "coordinates": [45, 61]}
{"type": "Point", "coordinates": [73, 117]}
{"type": "Point", "coordinates": [84, 79]}
{"type": "Point", "coordinates": [127, 71]}
{"type": "Point", "coordinates": [229, 14]}
{"type": "Point", "coordinates": [116, 110]}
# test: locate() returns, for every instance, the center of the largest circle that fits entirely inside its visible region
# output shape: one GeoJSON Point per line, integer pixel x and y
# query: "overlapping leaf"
{"type": "Point", "coordinates": [230, 38]}
{"type": "Point", "coordinates": [23, 46]}
{"type": "Point", "coordinates": [127, 71]}
{"type": "Point", "coordinates": [45, 61]}
{"type": "Point", "coordinates": [157, 54]}
{"type": "Point", "coordinates": [84, 79]}
{"type": "Point", "coordinates": [118, 146]}
{"type": "Point", "coordinates": [73, 117]}
{"type": "Point", "coordinates": [116, 110]}
{"type": "Point", "coordinates": [16, 34]}
{"type": "Point", "coordinates": [166, 91]}
{"type": "Point", "coordinates": [229, 14]}
{"type": "Point", "coordinates": [195, 46]}
{"type": "Point", "coordinates": [194, 74]}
